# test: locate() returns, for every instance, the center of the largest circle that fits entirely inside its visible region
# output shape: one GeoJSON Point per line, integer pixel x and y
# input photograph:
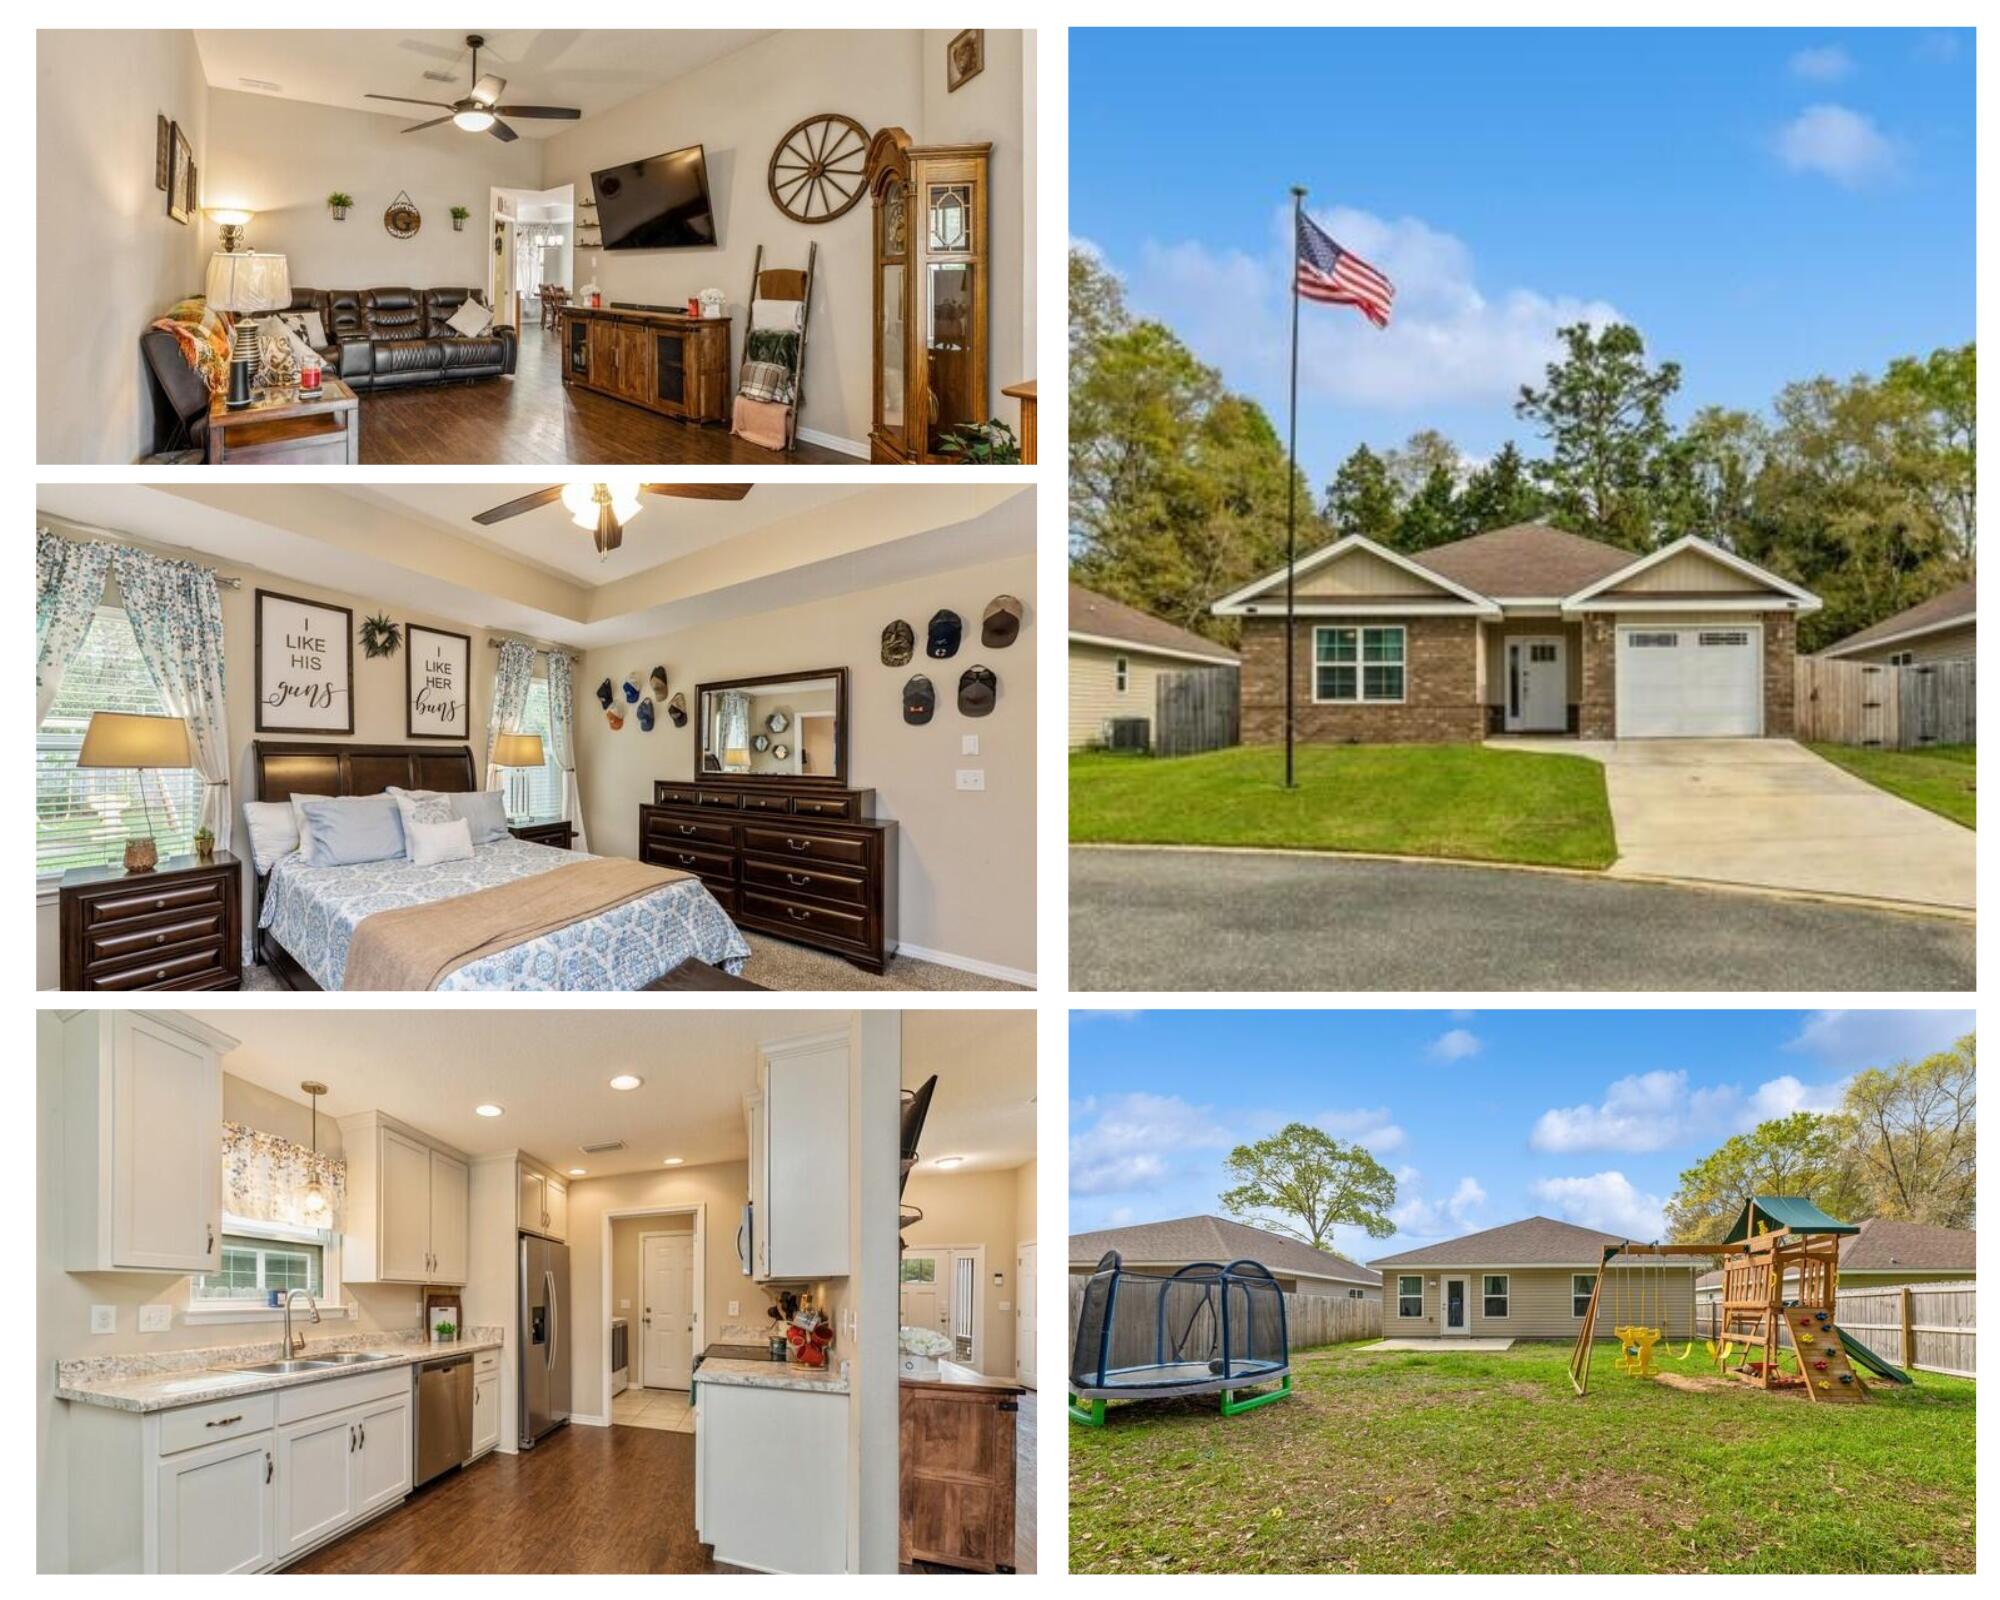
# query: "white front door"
{"type": "Point", "coordinates": [1691, 683]}
{"type": "Point", "coordinates": [666, 1281]}
{"type": "Point", "coordinates": [1537, 686]}
{"type": "Point", "coordinates": [923, 1306]}
{"type": "Point", "coordinates": [1024, 1315]}
{"type": "Point", "coordinates": [1457, 1317]}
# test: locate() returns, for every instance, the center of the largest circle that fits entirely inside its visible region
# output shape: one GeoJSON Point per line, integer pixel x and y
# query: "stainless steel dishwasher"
{"type": "Point", "coordinates": [444, 1415]}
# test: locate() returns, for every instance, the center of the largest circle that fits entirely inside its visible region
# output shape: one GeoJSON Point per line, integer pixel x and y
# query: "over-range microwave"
{"type": "Point", "coordinates": [745, 1238]}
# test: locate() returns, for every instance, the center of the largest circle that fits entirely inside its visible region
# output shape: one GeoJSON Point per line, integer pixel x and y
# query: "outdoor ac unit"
{"type": "Point", "coordinates": [1128, 733]}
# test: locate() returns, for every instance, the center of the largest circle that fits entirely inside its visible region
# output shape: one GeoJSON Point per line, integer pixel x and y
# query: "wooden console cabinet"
{"type": "Point", "coordinates": [958, 1470]}
{"type": "Point", "coordinates": [664, 361]}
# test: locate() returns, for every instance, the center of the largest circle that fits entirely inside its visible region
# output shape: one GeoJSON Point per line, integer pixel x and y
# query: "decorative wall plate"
{"type": "Point", "coordinates": [760, 742]}
{"type": "Point", "coordinates": [781, 752]}
{"type": "Point", "coordinates": [402, 219]}
{"type": "Point", "coordinates": [820, 168]}
{"type": "Point", "coordinates": [777, 722]}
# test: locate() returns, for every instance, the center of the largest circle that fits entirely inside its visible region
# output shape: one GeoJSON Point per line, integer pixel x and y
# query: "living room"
{"type": "Point", "coordinates": [426, 247]}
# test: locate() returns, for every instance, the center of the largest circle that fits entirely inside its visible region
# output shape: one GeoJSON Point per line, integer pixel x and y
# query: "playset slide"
{"type": "Point", "coordinates": [1869, 1359]}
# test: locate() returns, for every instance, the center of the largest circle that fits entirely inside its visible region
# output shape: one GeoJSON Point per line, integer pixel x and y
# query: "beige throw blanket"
{"type": "Point", "coordinates": [418, 947]}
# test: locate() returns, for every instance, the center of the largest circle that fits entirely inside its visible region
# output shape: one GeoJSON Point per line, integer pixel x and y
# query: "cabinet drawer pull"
{"type": "Point", "coordinates": [688, 827]}
{"type": "Point", "coordinates": [364, 1434]}
{"type": "Point", "coordinates": [267, 1466]}
{"type": "Point", "coordinates": [799, 880]}
{"type": "Point", "coordinates": [685, 859]}
{"type": "Point", "coordinates": [797, 844]}
{"type": "Point", "coordinates": [350, 1439]}
{"type": "Point", "coordinates": [798, 913]}
{"type": "Point", "coordinates": [223, 1422]}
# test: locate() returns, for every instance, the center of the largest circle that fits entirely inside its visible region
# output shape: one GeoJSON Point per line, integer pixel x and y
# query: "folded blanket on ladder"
{"type": "Point", "coordinates": [762, 422]}
{"type": "Point", "coordinates": [418, 947]}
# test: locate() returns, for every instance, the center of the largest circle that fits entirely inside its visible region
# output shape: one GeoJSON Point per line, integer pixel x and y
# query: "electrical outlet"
{"type": "Point", "coordinates": [734, 1307]}
{"type": "Point", "coordinates": [103, 1319]}
{"type": "Point", "coordinates": [156, 1319]}
{"type": "Point", "coordinates": [968, 744]}
{"type": "Point", "coordinates": [971, 778]}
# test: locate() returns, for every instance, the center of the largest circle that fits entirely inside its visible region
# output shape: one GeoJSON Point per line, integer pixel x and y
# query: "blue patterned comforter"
{"type": "Point", "coordinates": [313, 911]}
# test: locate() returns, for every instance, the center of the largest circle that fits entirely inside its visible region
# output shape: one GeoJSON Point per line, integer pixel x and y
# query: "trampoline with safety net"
{"type": "Point", "coordinates": [1205, 1329]}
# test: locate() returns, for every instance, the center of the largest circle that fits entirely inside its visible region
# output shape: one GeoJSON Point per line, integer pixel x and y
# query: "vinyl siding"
{"type": "Point", "coordinates": [1538, 1305]}
{"type": "Point", "coordinates": [1949, 644]}
{"type": "Point", "coordinates": [1690, 571]}
{"type": "Point", "coordinates": [1093, 691]}
{"type": "Point", "coordinates": [1362, 572]}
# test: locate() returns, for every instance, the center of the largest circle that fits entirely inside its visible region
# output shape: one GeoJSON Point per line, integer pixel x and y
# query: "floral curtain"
{"type": "Point", "coordinates": [731, 728]}
{"type": "Point", "coordinates": [562, 735]}
{"type": "Point", "coordinates": [510, 699]}
{"type": "Point", "coordinates": [69, 584]}
{"type": "Point", "coordinates": [265, 1178]}
{"type": "Point", "coordinates": [176, 614]}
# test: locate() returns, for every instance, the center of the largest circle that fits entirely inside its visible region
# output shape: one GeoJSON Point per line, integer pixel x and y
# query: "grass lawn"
{"type": "Point", "coordinates": [1490, 1463]}
{"type": "Point", "coordinates": [1939, 779]}
{"type": "Point", "coordinates": [1456, 800]}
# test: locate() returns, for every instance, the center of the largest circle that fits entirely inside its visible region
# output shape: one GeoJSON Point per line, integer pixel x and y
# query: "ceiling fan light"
{"type": "Point", "coordinates": [474, 119]}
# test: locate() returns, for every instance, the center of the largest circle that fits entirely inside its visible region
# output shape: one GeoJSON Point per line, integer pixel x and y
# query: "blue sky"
{"type": "Point", "coordinates": [1763, 205]}
{"type": "Point", "coordinates": [1484, 1117]}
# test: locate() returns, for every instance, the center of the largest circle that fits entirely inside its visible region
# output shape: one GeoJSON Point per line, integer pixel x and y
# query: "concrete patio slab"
{"type": "Point", "coordinates": [1439, 1344]}
{"type": "Point", "coordinates": [1769, 814]}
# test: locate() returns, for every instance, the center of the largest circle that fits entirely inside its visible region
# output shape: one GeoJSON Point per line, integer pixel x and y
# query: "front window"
{"type": "Point", "coordinates": [1358, 664]}
{"type": "Point", "coordinates": [1580, 1286]}
{"type": "Point", "coordinates": [1410, 1297]}
{"type": "Point", "coordinates": [1493, 1295]}
{"type": "Point", "coordinates": [260, 1258]}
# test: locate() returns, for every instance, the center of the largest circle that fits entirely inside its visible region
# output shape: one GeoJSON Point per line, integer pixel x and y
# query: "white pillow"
{"type": "Point", "coordinates": [299, 824]}
{"type": "Point", "coordinates": [470, 319]}
{"type": "Point", "coordinates": [274, 832]}
{"type": "Point", "coordinates": [421, 808]}
{"type": "Point", "coordinates": [432, 842]}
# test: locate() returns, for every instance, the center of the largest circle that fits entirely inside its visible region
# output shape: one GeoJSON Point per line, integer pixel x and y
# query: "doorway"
{"type": "Point", "coordinates": [943, 1287]}
{"type": "Point", "coordinates": [653, 1264]}
{"type": "Point", "coordinates": [1537, 684]}
{"type": "Point", "coordinates": [1024, 1314]}
{"type": "Point", "coordinates": [1456, 1305]}
{"type": "Point", "coordinates": [666, 1321]}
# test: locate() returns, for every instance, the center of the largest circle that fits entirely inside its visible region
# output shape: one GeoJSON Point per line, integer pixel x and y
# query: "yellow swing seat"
{"type": "Point", "coordinates": [1635, 1350]}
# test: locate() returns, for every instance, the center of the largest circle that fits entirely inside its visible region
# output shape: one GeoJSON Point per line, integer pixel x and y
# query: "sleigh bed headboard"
{"type": "Point", "coordinates": [286, 768]}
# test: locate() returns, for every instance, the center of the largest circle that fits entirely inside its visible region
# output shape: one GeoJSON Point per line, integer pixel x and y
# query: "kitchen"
{"type": "Point", "coordinates": [350, 1292]}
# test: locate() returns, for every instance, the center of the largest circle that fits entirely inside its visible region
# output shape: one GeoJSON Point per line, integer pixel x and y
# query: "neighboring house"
{"type": "Point", "coordinates": [1525, 629]}
{"type": "Point", "coordinates": [1884, 1253]}
{"type": "Point", "coordinates": [1527, 1280]}
{"type": "Point", "coordinates": [1938, 629]}
{"type": "Point", "coordinates": [1169, 1246]}
{"type": "Point", "coordinates": [1116, 656]}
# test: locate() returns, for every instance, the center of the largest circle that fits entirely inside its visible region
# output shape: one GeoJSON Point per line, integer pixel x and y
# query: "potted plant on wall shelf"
{"type": "Point", "coordinates": [338, 202]}
{"type": "Point", "coordinates": [458, 216]}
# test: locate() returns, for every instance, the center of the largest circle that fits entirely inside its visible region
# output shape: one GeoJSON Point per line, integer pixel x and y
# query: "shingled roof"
{"type": "Point", "coordinates": [1945, 610]}
{"type": "Point", "coordinates": [1883, 1245]}
{"type": "Point", "coordinates": [1185, 1239]}
{"type": "Point", "coordinates": [1527, 560]}
{"type": "Point", "coordinates": [1531, 1242]}
{"type": "Point", "coordinates": [1101, 617]}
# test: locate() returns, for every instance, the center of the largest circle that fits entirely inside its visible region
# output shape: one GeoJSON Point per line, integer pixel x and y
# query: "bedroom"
{"type": "Point", "coordinates": [430, 751]}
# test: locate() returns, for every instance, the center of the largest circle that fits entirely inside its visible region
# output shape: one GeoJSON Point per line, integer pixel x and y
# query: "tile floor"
{"type": "Point", "coordinates": [666, 1409]}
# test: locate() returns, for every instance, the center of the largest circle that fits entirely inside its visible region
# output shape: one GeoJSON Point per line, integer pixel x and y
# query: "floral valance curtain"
{"type": "Point", "coordinates": [265, 1179]}
{"type": "Point", "coordinates": [562, 735]}
{"type": "Point", "coordinates": [510, 699]}
{"type": "Point", "coordinates": [69, 585]}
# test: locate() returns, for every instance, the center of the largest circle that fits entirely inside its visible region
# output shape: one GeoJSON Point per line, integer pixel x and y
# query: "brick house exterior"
{"type": "Point", "coordinates": [1442, 705]}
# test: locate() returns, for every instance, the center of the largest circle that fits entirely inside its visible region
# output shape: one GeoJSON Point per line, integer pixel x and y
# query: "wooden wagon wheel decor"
{"type": "Point", "coordinates": [820, 168]}
{"type": "Point", "coordinates": [402, 218]}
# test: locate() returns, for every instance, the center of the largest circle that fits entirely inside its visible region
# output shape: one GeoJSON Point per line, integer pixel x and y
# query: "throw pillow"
{"type": "Point", "coordinates": [274, 832]}
{"type": "Point", "coordinates": [421, 808]}
{"type": "Point", "coordinates": [432, 842]}
{"type": "Point", "coordinates": [301, 822]}
{"type": "Point", "coordinates": [486, 810]}
{"type": "Point", "coordinates": [349, 832]}
{"type": "Point", "coordinates": [470, 320]}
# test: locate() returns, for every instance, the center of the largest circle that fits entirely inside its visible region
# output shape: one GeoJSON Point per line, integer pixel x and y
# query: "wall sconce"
{"type": "Point", "coordinates": [233, 223]}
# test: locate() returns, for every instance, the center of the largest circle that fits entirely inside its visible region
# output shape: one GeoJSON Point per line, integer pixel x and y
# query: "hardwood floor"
{"type": "Point", "coordinates": [530, 418]}
{"type": "Point", "coordinates": [584, 1500]}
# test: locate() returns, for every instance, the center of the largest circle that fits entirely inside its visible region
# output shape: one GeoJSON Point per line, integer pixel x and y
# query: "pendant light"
{"type": "Point", "coordinates": [315, 1201]}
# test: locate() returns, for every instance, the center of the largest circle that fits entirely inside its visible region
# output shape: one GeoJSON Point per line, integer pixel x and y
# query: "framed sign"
{"type": "Point", "coordinates": [438, 668]}
{"type": "Point", "coordinates": [305, 665]}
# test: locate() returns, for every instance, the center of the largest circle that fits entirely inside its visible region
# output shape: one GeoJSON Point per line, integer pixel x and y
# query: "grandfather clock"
{"type": "Point", "coordinates": [930, 293]}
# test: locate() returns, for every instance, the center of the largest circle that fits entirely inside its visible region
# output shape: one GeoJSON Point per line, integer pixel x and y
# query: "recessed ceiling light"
{"type": "Point", "coordinates": [489, 1111]}
{"type": "Point", "coordinates": [951, 1161]}
{"type": "Point", "coordinates": [673, 1161]}
{"type": "Point", "coordinates": [626, 1080]}
{"type": "Point", "coordinates": [578, 1172]}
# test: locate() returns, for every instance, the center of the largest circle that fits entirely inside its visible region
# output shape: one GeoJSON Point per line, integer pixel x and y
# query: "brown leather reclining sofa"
{"type": "Point", "coordinates": [377, 339]}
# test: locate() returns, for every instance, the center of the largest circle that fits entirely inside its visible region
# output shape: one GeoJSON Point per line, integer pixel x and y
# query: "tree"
{"type": "Point", "coordinates": [1803, 1154]}
{"type": "Point", "coordinates": [1362, 498]}
{"type": "Point", "coordinates": [1945, 390]}
{"type": "Point", "coordinates": [1499, 494]}
{"type": "Point", "coordinates": [1912, 1132]}
{"type": "Point", "coordinates": [1432, 516]}
{"type": "Point", "coordinates": [1603, 411]}
{"type": "Point", "coordinates": [1314, 1182]}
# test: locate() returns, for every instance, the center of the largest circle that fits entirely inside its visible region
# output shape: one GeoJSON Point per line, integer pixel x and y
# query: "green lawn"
{"type": "Point", "coordinates": [1490, 1463]}
{"type": "Point", "coordinates": [1939, 779]}
{"type": "Point", "coordinates": [1456, 800]}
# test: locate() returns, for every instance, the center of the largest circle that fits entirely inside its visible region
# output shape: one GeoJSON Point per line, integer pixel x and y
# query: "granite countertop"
{"type": "Point", "coordinates": [772, 1375]}
{"type": "Point", "coordinates": [159, 1382]}
{"type": "Point", "coordinates": [950, 1375]}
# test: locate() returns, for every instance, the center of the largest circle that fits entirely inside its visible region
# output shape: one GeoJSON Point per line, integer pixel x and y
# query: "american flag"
{"type": "Point", "coordinates": [1339, 277]}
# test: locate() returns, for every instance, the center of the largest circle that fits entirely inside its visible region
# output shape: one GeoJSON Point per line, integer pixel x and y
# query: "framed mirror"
{"type": "Point", "coordinates": [738, 716]}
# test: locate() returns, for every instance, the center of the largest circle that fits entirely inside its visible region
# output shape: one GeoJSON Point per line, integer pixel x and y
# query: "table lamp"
{"type": "Point", "coordinates": [126, 739]}
{"type": "Point", "coordinates": [246, 283]}
{"type": "Point", "coordinates": [517, 750]}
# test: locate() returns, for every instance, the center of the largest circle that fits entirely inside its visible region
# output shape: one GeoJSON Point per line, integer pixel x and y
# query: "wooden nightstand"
{"type": "Point", "coordinates": [176, 927]}
{"type": "Point", "coordinates": [545, 830]}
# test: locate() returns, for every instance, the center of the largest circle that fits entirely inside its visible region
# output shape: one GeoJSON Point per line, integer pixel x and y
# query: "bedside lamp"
{"type": "Point", "coordinates": [232, 222]}
{"type": "Point", "coordinates": [124, 739]}
{"type": "Point", "coordinates": [517, 750]}
{"type": "Point", "coordinates": [246, 284]}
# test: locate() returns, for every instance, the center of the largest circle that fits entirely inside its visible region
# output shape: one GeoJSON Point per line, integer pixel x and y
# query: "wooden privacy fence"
{"type": "Point", "coordinates": [1889, 708]}
{"type": "Point", "coordinates": [1310, 1320]}
{"type": "Point", "coordinates": [1925, 1327]}
{"type": "Point", "coordinates": [1195, 711]}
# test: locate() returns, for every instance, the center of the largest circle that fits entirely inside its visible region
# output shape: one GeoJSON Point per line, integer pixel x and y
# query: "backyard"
{"type": "Point", "coordinates": [1488, 1462]}
{"type": "Point", "coordinates": [1940, 779]}
{"type": "Point", "coordinates": [1464, 802]}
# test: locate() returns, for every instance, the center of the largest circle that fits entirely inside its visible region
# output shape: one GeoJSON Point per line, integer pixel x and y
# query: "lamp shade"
{"type": "Point", "coordinates": [229, 216]}
{"type": "Point", "coordinates": [517, 750]}
{"type": "Point", "coordinates": [125, 739]}
{"type": "Point", "coordinates": [248, 282]}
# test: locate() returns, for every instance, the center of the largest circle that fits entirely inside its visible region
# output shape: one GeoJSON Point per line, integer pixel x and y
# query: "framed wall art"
{"type": "Point", "coordinates": [964, 59]}
{"type": "Point", "coordinates": [438, 672]}
{"type": "Point", "coordinates": [163, 152]}
{"type": "Point", "coordinates": [180, 180]}
{"type": "Point", "coordinates": [305, 665]}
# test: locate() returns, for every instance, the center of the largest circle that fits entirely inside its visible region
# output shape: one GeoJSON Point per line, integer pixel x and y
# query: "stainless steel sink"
{"type": "Point", "coordinates": [358, 1358]}
{"type": "Point", "coordinates": [280, 1368]}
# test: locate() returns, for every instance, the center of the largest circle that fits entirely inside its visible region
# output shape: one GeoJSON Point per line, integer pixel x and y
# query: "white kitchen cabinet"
{"type": "Point", "coordinates": [485, 1412]}
{"type": "Point", "coordinates": [142, 1142]}
{"type": "Point", "coordinates": [800, 1194]}
{"type": "Point", "coordinates": [408, 1204]}
{"type": "Point", "coordinates": [734, 1428]}
{"type": "Point", "coordinates": [384, 1453]}
{"type": "Point", "coordinates": [543, 1199]}
{"type": "Point", "coordinates": [215, 1509]}
{"type": "Point", "coordinates": [753, 1116]}
{"type": "Point", "coordinates": [558, 1201]}
{"type": "Point", "coordinates": [315, 1479]}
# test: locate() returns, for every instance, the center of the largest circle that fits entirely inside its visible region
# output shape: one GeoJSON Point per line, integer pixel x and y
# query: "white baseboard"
{"type": "Point", "coordinates": [833, 441]}
{"type": "Point", "coordinates": [985, 969]}
{"type": "Point", "coordinates": [588, 1422]}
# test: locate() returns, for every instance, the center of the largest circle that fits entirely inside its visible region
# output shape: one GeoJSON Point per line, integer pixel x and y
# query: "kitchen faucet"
{"type": "Point", "coordinates": [294, 1343]}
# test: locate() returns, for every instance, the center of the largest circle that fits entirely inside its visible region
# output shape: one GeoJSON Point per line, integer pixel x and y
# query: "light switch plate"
{"type": "Point", "coordinates": [734, 1307]}
{"type": "Point", "coordinates": [968, 744]}
{"type": "Point", "coordinates": [103, 1319]}
{"type": "Point", "coordinates": [156, 1319]}
{"type": "Point", "coordinates": [624, 1305]}
{"type": "Point", "coordinates": [971, 777]}
{"type": "Point", "coordinates": [1006, 1305]}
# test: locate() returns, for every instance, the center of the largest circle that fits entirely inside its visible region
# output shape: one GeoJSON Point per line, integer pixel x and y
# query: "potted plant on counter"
{"type": "Point", "coordinates": [444, 1333]}
{"type": "Point", "coordinates": [338, 202]}
{"type": "Point", "coordinates": [920, 1349]}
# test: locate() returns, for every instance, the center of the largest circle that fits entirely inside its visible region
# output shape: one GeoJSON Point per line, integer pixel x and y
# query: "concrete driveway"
{"type": "Point", "coordinates": [1769, 814]}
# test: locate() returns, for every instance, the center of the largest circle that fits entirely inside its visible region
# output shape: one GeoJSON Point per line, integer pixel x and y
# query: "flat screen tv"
{"type": "Point", "coordinates": [660, 203]}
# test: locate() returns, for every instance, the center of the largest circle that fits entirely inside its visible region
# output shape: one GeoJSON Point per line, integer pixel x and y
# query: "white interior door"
{"type": "Point", "coordinates": [1537, 684]}
{"type": "Point", "coordinates": [1024, 1315]}
{"type": "Point", "coordinates": [1691, 683]}
{"type": "Point", "coordinates": [666, 1280]}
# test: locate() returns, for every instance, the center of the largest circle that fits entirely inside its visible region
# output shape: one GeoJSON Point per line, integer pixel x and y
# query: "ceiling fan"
{"type": "Point", "coordinates": [480, 111]}
{"type": "Point", "coordinates": [603, 509]}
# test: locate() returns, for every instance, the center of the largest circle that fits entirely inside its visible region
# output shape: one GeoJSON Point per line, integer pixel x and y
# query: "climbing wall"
{"type": "Point", "coordinates": [1829, 1375]}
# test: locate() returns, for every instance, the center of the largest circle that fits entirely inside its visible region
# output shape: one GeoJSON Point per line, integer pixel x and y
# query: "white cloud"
{"type": "Point", "coordinates": [1455, 1045]}
{"type": "Point", "coordinates": [1846, 1041]}
{"type": "Point", "coordinates": [1606, 1201]}
{"type": "Point", "coordinates": [1656, 1110]}
{"type": "Point", "coordinates": [1450, 339]}
{"type": "Point", "coordinates": [1373, 1129]}
{"type": "Point", "coordinates": [1840, 144]}
{"type": "Point", "coordinates": [1438, 1219]}
{"type": "Point", "coordinates": [1826, 63]}
{"type": "Point", "coordinates": [1137, 1141]}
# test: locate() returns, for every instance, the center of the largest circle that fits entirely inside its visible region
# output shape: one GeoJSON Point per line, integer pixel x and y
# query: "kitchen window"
{"type": "Point", "coordinates": [1410, 1296]}
{"type": "Point", "coordinates": [1493, 1295]}
{"type": "Point", "coordinates": [260, 1259]}
{"type": "Point", "coordinates": [1580, 1286]}
{"type": "Point", "coordinates": [1358, 664]}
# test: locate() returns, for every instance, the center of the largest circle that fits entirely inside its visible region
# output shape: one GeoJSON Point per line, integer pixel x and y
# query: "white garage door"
{"type": "Point", "coordinates": [1691, 683]}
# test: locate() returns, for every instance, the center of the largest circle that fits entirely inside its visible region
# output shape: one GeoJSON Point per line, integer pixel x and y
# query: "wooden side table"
{"type": "Point", "coordinates": [545, 830]}
{"type": "Point", "coordinates": [1025, 393]}
{"type": "Point", "coordinates": [288, 429]}
{"type": "Point", "coordinates": [176, 927]}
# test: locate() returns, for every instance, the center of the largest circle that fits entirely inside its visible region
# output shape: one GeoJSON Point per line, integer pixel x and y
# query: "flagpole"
{"type": "Point", "coordinates": [1292, 493]}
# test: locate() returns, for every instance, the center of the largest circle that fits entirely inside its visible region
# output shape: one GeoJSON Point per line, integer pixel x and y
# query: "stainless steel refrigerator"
{"type": "Point", "coordinates": [544, 1342]}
